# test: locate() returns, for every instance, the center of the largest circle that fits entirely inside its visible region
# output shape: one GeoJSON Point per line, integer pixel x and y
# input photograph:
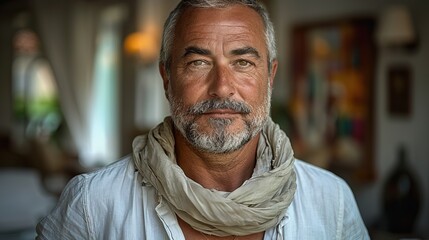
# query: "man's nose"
{"type": "Point", "coordinates": [221, 82]}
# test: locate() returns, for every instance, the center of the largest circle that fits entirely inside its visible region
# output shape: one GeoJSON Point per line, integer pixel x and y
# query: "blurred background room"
{"type": "Point", "coordinates": [79, 80]}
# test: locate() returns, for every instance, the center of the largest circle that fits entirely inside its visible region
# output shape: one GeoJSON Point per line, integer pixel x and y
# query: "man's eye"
{"type": "Point", "coordinates": [243, 63]}
{"type": "Point", "coordinates": [198, 63]}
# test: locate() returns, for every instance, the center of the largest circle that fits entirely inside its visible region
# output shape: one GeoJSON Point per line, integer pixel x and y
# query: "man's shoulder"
{"type": "Point", "coordinates": [319, 193]}
{"type": "Point", "coordinates": [110, 175]}
{"type": "Point", "coordinates": [90, 199]}
{"type": "Point", "coordinates": [311, 176]}
{"type": "Point", "coordinates": [114, 177]}
{"type": "Point", "coordinates": [113, 168]}
{"type": "Point", "coordinates": [325, 202]}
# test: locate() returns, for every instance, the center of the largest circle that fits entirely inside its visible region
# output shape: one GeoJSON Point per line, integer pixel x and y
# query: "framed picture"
{"type": "Point", "coordinates": [399, 90]}
{"type": "Point", "coordinates": [331, 105]}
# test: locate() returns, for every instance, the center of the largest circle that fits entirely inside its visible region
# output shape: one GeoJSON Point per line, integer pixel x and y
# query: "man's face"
{"type": "Point", "coordinates": [219, 85]}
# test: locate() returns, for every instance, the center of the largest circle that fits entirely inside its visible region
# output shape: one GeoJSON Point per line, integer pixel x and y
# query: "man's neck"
{"type": "Point", "coordinates": [223, 172]}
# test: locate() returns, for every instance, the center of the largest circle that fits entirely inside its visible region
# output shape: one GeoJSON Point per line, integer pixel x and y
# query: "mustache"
{"type": "Point", "coordinates": [214, 104]}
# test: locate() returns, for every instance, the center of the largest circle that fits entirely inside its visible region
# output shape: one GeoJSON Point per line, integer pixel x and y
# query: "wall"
{"type": "Point", "coordinates": [389, 131]}
{"type": "Point", "coordinates": [5, 73]}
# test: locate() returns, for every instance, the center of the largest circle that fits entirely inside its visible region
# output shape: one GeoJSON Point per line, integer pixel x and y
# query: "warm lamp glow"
{"type": "Point", "coordinates": [144, 44]}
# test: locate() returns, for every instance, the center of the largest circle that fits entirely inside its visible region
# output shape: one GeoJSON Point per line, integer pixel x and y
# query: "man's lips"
{"type": "Point", "coordinates": [221, 112]}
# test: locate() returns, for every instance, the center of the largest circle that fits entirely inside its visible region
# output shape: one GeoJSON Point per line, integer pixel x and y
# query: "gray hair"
{"type": "Point", "coordinates": [170, 24]}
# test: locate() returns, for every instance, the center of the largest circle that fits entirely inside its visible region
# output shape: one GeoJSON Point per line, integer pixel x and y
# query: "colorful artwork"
{"type": "Point", "coordinates": [331, 103]}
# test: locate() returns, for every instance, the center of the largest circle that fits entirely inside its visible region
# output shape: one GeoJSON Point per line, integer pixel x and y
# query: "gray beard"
{"type": "Point", "coordinates": [220, 140]}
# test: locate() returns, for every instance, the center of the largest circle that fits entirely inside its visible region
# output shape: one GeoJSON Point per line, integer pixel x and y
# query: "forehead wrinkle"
{"type": "Point", "coordinates": [209, 28]}
{"type": "Point", "coordinates": [209, 35]}
{"type": "Point", "coordinates": [214, 29]}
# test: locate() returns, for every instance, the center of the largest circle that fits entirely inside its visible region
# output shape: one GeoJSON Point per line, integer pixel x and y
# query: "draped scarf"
{"type": "Point", "coordinates": [257, 205]}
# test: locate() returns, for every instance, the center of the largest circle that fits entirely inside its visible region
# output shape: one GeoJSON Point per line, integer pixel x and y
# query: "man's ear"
{"type": "Point", "coordinates": [273, 71]}
{"type": "Point", "coordinates": [165, 79]}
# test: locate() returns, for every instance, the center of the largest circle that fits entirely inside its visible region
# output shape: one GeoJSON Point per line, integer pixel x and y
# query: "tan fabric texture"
{"type": "Point", "coordinates": [257, 205]}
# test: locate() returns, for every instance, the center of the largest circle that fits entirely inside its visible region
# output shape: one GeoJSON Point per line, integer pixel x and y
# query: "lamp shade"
{"type": "Point", "coordinates": [395, 27]}
{"type": "Point", "coordinates": [144, 43]}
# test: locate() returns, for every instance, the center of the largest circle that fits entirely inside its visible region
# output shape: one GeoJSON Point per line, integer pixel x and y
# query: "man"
{"type": "Point", "coordinates": [219, 168]}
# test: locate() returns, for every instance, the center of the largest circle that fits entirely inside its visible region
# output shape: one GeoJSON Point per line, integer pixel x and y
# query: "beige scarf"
{"type": "Point", "coordinates": [257, 205]}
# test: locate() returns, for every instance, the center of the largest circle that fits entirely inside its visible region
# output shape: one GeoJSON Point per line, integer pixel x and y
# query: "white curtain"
{"type": "Point", "coordinates": [67, 31]}
{"type": "Point", "coordinates": [104, 115]}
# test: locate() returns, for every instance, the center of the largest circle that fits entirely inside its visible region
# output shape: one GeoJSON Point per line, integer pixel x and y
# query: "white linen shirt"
{"type": "Point", "coordinates": [113, 203]}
